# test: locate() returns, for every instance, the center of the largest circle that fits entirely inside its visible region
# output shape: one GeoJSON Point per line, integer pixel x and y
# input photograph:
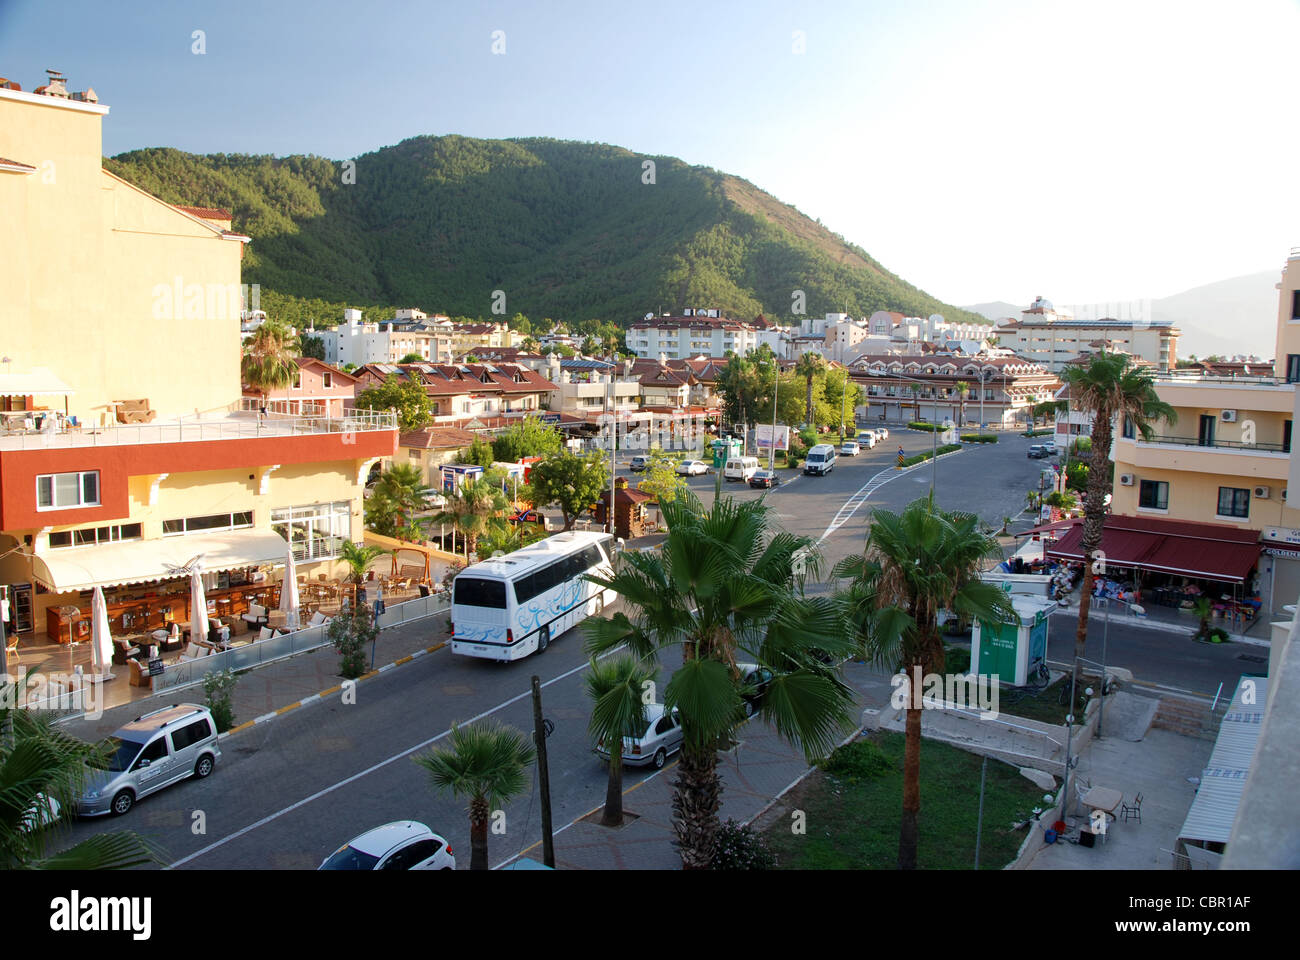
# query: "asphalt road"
{"type": "Point", "coordinates": [288, 793]}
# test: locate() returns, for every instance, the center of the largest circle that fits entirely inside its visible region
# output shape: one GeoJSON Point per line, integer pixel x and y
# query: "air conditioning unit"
{"type": "Point", "coordinates": [1261, 493]}
{"type": "Point", "coordinates": [1228, 416]}
{"type": "Point", "coordinates": [1126, 479]}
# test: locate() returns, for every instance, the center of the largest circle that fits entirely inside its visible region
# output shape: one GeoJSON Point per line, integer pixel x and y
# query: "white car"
{"type": "Point", "coordinates": [402, 845]}
{"type": "Point", "coordinates": [663, 735]}
{"type": "Point", "coordinates": [1050, 447]}
{"type": "Point", "coordinates": [692, 468]}
{"type": "Point", "coordinates": [882, 433]}
{"type": "Point", "coordinates": [850, 448]}
{"type": "Point", "coordinates": [868, 438]}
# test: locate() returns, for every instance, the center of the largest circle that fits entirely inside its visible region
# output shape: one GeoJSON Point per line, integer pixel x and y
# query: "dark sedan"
{"type": "Point", "coordinates": [764, 478]}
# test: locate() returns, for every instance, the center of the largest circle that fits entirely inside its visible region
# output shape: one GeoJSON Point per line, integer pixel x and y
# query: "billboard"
{"type": "Point", "coordinates": [763, 437]}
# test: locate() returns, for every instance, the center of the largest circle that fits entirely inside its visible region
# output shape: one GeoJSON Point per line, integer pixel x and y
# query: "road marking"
{"type": "Point", "coordinates": [366, 772]}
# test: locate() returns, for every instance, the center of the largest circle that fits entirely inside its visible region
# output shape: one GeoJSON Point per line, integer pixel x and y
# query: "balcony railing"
{"type": "Point", "coordinates": [1261, 447]}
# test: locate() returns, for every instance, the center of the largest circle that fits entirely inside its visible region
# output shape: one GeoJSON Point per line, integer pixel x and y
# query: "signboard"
{"type": "Point", "coordinates": [550, 418]}
{"type": "Point", "coordinates": [155, 667]}
{"type": "Point", "coordinates": [1281, 535]}
{"type": "Point", "coordinates": [763, 437]}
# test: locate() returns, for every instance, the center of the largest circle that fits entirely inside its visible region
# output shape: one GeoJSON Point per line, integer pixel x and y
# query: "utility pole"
{"type": "Point", "coordinates": [776, 390]}
{"type": "Point", "coordinates": [613, 454]}
{"type": "Point", "coordinates": [979, 824]}
{"type": "Point", "coordinates": [540, 733]}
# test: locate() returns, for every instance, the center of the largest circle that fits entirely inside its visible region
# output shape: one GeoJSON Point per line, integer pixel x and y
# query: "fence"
{"type": "Point", "coordinates": [261, 652]}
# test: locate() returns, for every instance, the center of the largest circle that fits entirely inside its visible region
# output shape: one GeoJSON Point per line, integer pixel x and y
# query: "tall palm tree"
{"type": "Point", "coordinates": [723, 589]}
{"type": "Point", "coordinates": [472, 509]}
{"type": "Point", "coordinates": [963, 391]}
{"type": "Point", "coordinates": [487, 763]}
{"type": "Point", "coordinates": [268, 362]}
{"type": "Point", "coordinates": [1112, 389]}
{"type": "Point", "coordinates": [40, 763]}
{"type": "Point", "coordinates": [402, 490]}
{"type": "Point", "coordinates": [808, 367]}
{"type": "Point", "coordinates": [358, 559]}
{"type": "Point", "coordinates": [916, 564]}
{"type": "Point", "coordinates": [617, 688]}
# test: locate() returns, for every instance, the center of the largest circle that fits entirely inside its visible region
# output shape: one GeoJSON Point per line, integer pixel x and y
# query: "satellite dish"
{"type": "Point", "coordinates": [649, 316]}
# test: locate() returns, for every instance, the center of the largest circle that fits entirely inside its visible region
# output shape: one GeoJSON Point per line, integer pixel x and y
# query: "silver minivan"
{"type": "Point", "coordinates": [151, 752]}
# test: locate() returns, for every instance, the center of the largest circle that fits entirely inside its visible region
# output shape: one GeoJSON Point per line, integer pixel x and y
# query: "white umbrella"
{"type": "Point", "coordinates": [198, 606]}
{"type": "Point", "coordinates": [289, 593]}
{"type": "Point", "coordinates": [101, 641]}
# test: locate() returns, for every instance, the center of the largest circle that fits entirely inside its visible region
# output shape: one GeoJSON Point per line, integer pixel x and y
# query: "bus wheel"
{"type": "Point", "coordinates": [543, 639]}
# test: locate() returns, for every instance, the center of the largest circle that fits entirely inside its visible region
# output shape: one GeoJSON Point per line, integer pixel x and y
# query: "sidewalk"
{"type": "Point", "coordinates": [1164, 619]}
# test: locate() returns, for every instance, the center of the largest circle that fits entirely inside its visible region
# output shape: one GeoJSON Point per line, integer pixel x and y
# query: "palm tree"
{"type": "Point", "coordinates": [487, 763]}
{"type": "Point", "coordinates": [723, 589]}
{"type": "Point", "coordinates": [916, 564]}
{"type": "Point", "coordinates": [268, 361]}
{"type": "Point", "coordinates": [807, 367]}
{"type": "Point", "coordinates": [617, 688]}
{"type": "Point", "coordinates": [963, 391]}
{"type": "Point", "coordinates": [402, 491]}
{"type": "Point", "coordinates": [39, 764]}
{"type": "Point", "coordinates": [1110, 388]}
{"type": "Point", "coordinates": [472, 509]}
{"type": "Point", "coordinates": [359, 558]}
{"type": "Point", "coordinates": [916, 399]}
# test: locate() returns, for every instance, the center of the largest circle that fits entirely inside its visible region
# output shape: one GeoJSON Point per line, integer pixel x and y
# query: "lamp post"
{"type": "Point", "coordinates": [776, 392]}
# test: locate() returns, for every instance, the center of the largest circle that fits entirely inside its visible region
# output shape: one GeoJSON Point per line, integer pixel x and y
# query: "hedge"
{"type": "Point", "coordinates": [979, 438]}
{"type": "Point", "coordinates": [1038, 433]}
{"type": "Point", "coordinates": [920, 457]}
{"type": "Point", "coordinates": [928, 427]}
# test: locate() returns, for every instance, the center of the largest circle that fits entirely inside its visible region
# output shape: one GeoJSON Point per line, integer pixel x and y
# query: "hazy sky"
{"type": "Point", "coordinates": [983, 151]}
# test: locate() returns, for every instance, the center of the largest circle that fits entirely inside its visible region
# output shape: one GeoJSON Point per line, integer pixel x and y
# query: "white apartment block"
{"type": "Point", "coordinates": [357, 342]}
{"type": "Point", "coordinates": [693, 334]}
{"type": "Point", "coordinates": [1052, 338]}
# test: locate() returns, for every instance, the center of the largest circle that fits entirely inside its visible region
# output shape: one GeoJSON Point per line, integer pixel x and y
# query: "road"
{"type": "Point", "coordinates": [287, 793]}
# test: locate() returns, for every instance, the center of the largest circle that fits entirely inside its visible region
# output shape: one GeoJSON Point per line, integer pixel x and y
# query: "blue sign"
{"type": "Point", "coordinates": [550, 418]}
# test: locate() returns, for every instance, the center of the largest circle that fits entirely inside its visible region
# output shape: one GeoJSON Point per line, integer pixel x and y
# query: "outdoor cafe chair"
{"type": "Point", "coordinates": [1132, 812]}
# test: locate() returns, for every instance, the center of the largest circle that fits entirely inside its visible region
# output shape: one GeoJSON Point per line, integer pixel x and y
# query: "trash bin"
{"type": "Point", "coordinates": [1049, 836]}
{"type": "Point", "coordinates": [1087, 838]}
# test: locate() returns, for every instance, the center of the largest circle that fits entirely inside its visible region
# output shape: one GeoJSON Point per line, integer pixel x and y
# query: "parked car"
{"type": "Point", "coordinates": [639, 464]}
{"type": "Point", "coordinates": [850, 448]}
{"type": "Point", "coordinates": [755, 680]}
{"type": "Point", "coordinates": [401, 845]}
{"type": "Point", "coordinates": [151, 752]}
{"type": "Point", "coordinates": [692, 468]}
{"type": "Point", "coordinates": [531, 516]}
{"type": "Point", "coordinates": [764, 478]}
{"type": "Point", "coordinates": [663, 736]}
{"type": "Point", "coordinates": [882, 433]}
{"type": "Point", "coordinates": [1050, 447]}
{"type": "Point", "coordinates": [1037, 451]}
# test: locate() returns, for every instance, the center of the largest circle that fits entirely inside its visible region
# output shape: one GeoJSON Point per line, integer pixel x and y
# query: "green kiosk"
{"type": "Point", "coordinates": [724, 450]}
{"type": "Point", "coordinates": [1007, 652]}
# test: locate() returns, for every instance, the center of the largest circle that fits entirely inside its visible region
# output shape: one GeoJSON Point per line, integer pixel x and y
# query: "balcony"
{"type": "Point", "coordinates": [1226, 444]}
{"type": "Point", "coordinates": [1261, 462]}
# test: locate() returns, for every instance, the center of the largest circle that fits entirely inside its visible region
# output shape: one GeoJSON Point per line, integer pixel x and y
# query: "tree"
{"type": "Point", "coordinates": [570, 481]}
{"type": "Point", "coordinates": [836, 383]}
{"type": "Point", "coordinates": [808, 366]}
{"type": "Point", "coordinates": [530, 437]}
{"type": "Point", "coordinates": [472, 508]}
{"type": "Point", "coordinates": [617, 687]}
{"type": "Point", "coordinates": [963, 391]}
{"type": "Point", "coordinates": [724, 589]}
{"type": "Point", "coordinates": [488, 764]}
{"type": "Point", "coordinates": [662, 481]}
{"type": "Point", "coordinates": [1110, 388]}
{"type": "Point", "coordinates": [400, 494]}
{"type": "Point", "coordinates": [502, 536]}
{"type": "Point", "coordinates": [407, 397]}
{"type": "Point", "coordinates": [412, 358]}
{"type": "Point", "coordinates": [351, 631]}
{"type": "Point", "coordinates": [478, 453]}
{"type": "Point", "coordinates": [358, 559]}
{"type": "Point", "coordinates": [268, 363]}
{"type": "Point", "coordinates": [916, 398]}
{"type": "Point", "coordinates": [916, 564]}
{"type": "Point", "coordinates": [313, 347]}
{"type": "Point", "coordinates": [1047, 408]}
{"type": "Point", "coordinates": [521, 325]}
{"type": "Point", "coordinates": [39, 763]}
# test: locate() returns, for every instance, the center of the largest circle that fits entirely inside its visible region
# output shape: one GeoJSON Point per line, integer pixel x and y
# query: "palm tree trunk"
{"type": "Point", "coordinates": [808, 418]}
{"type": "Point", "coordinates": [695, 807]}
{"type": "Point", "coordinates": [1094, 518]}
{"type": "Point", "coordinates": [613, 815]}
{"type": "Point", "coordinates": [907, 833]}
{"type": "Point", "coordinates": [478, 833]}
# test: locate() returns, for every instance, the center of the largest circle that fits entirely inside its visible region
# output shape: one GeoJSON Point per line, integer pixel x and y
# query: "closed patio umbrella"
{"type": "Point", "coordinates": [198, 606]}
{"type": "Point", "coordinates": [101, 641]}
{"type": "Point", "coordinates": [289, 593]}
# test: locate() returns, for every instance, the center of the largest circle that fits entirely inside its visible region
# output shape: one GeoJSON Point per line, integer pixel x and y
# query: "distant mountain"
{"type": "Point", "coordinates": [1235, 316]}
{"type": "Point", "coordinates": [564, 230]}
{"type": "Point", "coordinates": [997, 310]}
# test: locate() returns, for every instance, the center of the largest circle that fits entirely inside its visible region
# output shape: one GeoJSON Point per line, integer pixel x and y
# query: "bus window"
{"type": "Point", "coordinates": [473, 592]}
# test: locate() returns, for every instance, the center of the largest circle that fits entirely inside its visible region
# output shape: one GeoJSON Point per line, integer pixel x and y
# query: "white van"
{"type": "Point", "coordinates": [821, 460]}
{"type": "Point", "coordinates": [740, 468]}
{"type": "Point", "coordinates": [867, 438]}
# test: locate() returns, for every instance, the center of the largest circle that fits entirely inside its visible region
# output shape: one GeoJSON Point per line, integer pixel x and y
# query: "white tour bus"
{"type": "Point", "coordinates": [510, 606]}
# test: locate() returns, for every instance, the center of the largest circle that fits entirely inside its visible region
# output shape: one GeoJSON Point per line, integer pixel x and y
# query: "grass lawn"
{"type": "Point", "coordinates": [854, 805]}
{"type": "Point", "coordinates": [1044, 707]}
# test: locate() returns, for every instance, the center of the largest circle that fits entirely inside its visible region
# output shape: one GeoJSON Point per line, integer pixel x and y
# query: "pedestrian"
{"type": "Point", "coordinates": [379, 599]}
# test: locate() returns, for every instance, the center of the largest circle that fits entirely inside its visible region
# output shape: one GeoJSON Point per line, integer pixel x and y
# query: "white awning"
{"type": "Point", "coordinates": [40, 382]}
{"type": "Point", "coordinates": [142, 561]}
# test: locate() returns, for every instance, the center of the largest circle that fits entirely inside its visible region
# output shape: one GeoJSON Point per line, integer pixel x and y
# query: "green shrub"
{"type": "Point", "coordinates": [857, 761]}
{"type": "Point", "coordinates": [922, 457]}
{"type": "Point", "coordinates": [351, 632]}
{"type": "Point", "coordinates": [741, 848]}
{"type": "Point", "coordinates": [808, 436]}
{"type": "Point", "coordinates": [218, 694]}
{"type": "Point", "coordinates": [979, 438]}
{"type": "Point", "coordinates": [956, 659]}
{"type": "Point", "coordinates": [927, 427]}
{"type": "Point", "coordinates": [794, 463]}
{"type": "Point", "coordinates": [1038, 433]}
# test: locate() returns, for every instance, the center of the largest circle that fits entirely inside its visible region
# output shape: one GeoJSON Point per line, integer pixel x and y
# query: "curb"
{"type": "Point", "coordinates": [267, 717]}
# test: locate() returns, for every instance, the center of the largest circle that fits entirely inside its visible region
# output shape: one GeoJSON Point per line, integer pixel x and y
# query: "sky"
{"type": "Point", "coordinates": [1086, 152]}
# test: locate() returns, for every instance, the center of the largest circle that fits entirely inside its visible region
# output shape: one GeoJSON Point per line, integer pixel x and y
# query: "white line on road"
{"type": "Point", "coordinates": [357, 776]}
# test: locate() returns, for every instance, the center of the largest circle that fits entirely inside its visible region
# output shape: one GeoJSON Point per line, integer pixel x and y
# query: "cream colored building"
{"type": "Point", "coordinates": [1050, 338]}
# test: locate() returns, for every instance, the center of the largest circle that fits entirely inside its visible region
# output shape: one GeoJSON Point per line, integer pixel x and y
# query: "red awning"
{"type": "Point", "coordinates": [1202, 550]}
{"type": "Point", "coordinates": [1054, 527]}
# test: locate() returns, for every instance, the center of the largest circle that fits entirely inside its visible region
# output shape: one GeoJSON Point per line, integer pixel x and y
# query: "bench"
{"type": "Point", "coordinates": [135, 411]}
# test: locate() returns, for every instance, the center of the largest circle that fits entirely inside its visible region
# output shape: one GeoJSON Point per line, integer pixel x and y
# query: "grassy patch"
{"type": "Point", "coordinates": [979, 438]}
{"type": "Point", "coordinates": [922, 457]}
{"type": "Point", "coordinates": [854, 806]}
{"type": "Point", "coordinates": [1038, 433]}
{"type": "Point", "coordinates": [1044, 706]}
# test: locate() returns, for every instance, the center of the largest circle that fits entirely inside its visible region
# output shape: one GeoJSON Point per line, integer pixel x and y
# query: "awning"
{"type": "Point", "coordinates": [142, 561]}
{"type": "Point", "coordinates": [1204, 550]}
{"type": "Point", "coordinates": [1054, 527]}
{"type": "Point", "coordinates": [1223, 781]}
{"type": "Point", "coordinates": [40, 382]}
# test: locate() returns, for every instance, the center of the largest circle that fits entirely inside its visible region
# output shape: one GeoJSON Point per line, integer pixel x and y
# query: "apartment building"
{"type": "Point", "coordinates": [119, 307]}
{"type": "Point", "coordinates": [999, 390]}
{"type": "Point", "coordinates": [318, 390]}
{"type": "Point", "coordinates": [356, 342]}
{"type": "Point", "coordinates": [1048, 337]}
{"type": "Point", "coordinates": [489, 394]}
{"type": "Point", "coordinates": [701, 333]}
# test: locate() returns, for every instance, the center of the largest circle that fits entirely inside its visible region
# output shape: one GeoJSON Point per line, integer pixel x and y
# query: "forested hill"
{"type": "Point", "coordinates": [567, 230]}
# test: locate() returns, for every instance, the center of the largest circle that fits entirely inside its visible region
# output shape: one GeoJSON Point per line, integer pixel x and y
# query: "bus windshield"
{"type": "Point", "coordinates": [476, 592]}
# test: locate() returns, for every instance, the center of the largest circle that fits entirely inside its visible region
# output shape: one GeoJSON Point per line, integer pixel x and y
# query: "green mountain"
{"type": "Point", "coordinates": [567, 230]}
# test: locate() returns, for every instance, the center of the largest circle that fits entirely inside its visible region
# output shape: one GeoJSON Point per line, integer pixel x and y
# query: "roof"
{"type": "Point", "coordinates": [1206, 550]}
{"type": "Point", "coordinates": [436, 438]}
{"type": "Point", "coordinates": [322, 365]}
{"type": "Point", "coordinates": [16, 166]}
{"type": "Point", "coordinates": [1223, 780]}
{"type": "Point", "coordinates": [380, 840]}
{"type": "Point", "coordinates": [206, 213]}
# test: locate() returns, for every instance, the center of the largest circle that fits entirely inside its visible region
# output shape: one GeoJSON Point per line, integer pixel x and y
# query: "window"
{"type": "Point", "coordinates": [474, 592]}
{"type": "Point", "coordinates": [327, 379]}
{"type": "Point", "coordinates": [1154, 495]}
{"type": "Point", "coordinates": [1234, 502]}
{"type": "Point", "coordinates": [1295, 304]}
{"type": "Point", "coordinates": [93, 535]}
{"type": "Point", "coordinates": [1292, 367]}
{"type": "Point", "coordinates": [216, 521]}
{"type": "Point", "coordinates": [1129, 431]}
{"type": "Point", "coordinates": [190, 734]}
{"type": "Point", "coordinates": [59, 491]}
{"type": "Point", "coordinates": [317, 531]}
{"type": "Point", "coordinates": [153, 753]}
{"type": "Point", "coordinates": [297, 382]}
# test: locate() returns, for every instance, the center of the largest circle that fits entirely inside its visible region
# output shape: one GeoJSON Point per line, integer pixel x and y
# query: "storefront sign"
{"type": "Point", "coordinates": [1282, 554]}
{"type": "Point", "coordinates": [155, 667]}
{"type": "Point", "coordinates": [1281, 535]}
